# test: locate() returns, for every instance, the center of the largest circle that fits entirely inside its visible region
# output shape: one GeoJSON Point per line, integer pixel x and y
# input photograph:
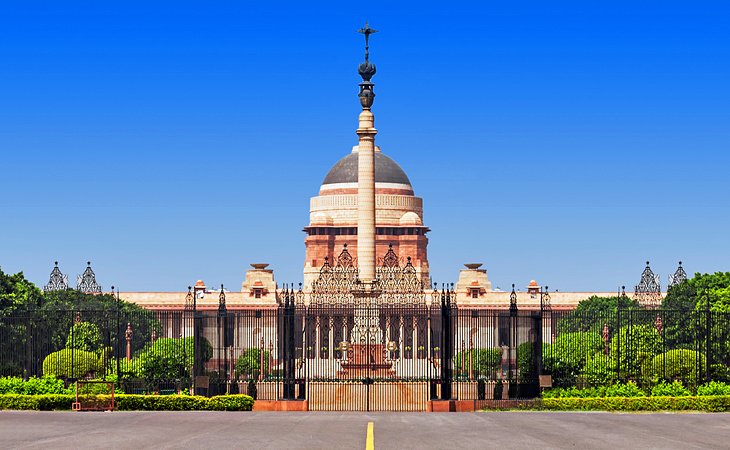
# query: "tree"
{"type": "Point", "coordinates": [17, 294]}
{"type": "Point", "coordinates": [686, 325]}
{"type": "Point", "coordinates": [592, 313]}
{"type": "Point", "coordinates": [634, 346]}
{"type": "Point", "coordinates": [484, 361]}
{"type": "Point", "coordinates": [687, 295]}
{"type": "Point", "coordinates": [84, 336]}
{"type": "Point", "coordinates": [576, 348]}
{"type": "Point", "coordinates": [248, 364]}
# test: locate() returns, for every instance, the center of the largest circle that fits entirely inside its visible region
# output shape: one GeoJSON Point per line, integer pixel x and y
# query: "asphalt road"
{"type": "Point", "coordinates": [512, 430]}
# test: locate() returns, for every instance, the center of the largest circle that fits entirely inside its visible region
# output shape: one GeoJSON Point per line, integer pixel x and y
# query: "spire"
{"type": "Point", "coordinates": [366, 71]}
{"type": "Point", "coordinates": [57, 282]}
{"type": "Point", "coordinates": [87, 282]}
{"type": "Point", "coordinates": [366, 168]}
{"type": "Point", "coordinates": [679, 276]}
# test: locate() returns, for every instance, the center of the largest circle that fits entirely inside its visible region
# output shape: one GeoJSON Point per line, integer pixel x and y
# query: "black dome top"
{"type": "Point", "coordinates": [386, 171]}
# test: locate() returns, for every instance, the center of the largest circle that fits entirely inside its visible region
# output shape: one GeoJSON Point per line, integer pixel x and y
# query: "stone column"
{"type": "Point", "coordinates": [366, 196]}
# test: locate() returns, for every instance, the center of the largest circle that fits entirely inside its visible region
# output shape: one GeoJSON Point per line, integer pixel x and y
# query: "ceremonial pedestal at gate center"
{"type": "Point", "coordinates": [366, 355]}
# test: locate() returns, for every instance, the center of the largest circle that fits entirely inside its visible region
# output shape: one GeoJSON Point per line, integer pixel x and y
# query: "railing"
{"type": "Point", "coordinates": [476, 354]}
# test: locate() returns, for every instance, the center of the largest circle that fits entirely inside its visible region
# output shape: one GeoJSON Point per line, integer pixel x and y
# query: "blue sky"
{"type": "Point", "coordinates": [166, 142]}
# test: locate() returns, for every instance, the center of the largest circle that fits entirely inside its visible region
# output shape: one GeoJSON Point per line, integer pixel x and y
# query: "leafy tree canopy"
{"type": "Point", "coordinates": [592, 313]}
{"type": "Point", "coordinates": [17, 293]}
{"type": "Point", "coordinates": [689, 294]}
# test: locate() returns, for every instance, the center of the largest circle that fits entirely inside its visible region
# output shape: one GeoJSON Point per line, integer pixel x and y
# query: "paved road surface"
{"type": "Point", "coordinates": [512, 430]}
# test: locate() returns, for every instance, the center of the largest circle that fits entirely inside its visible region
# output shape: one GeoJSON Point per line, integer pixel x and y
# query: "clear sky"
{"type": "Point", "coordinates": [166, 142]}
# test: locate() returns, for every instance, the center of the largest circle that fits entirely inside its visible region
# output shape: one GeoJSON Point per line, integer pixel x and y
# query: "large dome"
{"type": "Point", "coordinates": [386, 171]}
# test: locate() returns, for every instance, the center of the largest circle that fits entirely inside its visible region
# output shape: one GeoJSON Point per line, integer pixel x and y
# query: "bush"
{"type": "Point", "coordinates": [84, 336]}
{"type": "Point", "coordinates": [160, 402]}
{"type": "Point", "coordinates": [635, 345]}
{"type": "Point", "coordinates": [713, 388]}
{"type": "Point", "coordinates": [599, 370]}
{"type": "Point", "coordinates": [249, 363]}
{"type": "Point", "coordinates": [720, 372]}
{"type": "Point", "coordinates": [708, 404]}
{"type": "Point", "coordinates": [70, 363]}
{"type": "Point", "coordinates": [629, 389]}
{"type": "Point", "coordinates": [679, 364]}
{"type": "Point", "coordinates": [526, 362]}
{"type": "Point", "coordinates": [615, 390]}
{"type": "Point", "coordinates": [48, 402]}
{"type": "Point", "coordinates": [231, 403]}
{"type": "Point", "coordinates": [168, 359]}
{"type": "Point", "coordinates": [673, 389]}
{"type": "Point", "coordinates": [576, 348]}
{"type": "Point", "coordinates": [563, 373]}
{"type": "Point", "coordinates": [33, 386]}
{"type": "Point", "coordinates": [485, 361]}
{"type": "Point", "coordinates": [125, 402]}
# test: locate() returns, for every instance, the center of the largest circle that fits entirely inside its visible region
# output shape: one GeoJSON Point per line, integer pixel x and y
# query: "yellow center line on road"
{"type": "Point", "coordinates": [370, 440]}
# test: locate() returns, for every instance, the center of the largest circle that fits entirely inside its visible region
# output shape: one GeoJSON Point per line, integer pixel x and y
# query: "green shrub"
{"type": "Point", "coordinates": [629, 389]}
{"type": "Point", "coordinates": [125, 402]}
{"type": "Point", "coordinates": [183, 403]}
{"type": "Point", "coordinates": [84, 336]}
{"type": "Point", "coordinates": [615, 390]}
{"type": "Point", "coordinates": [575, 348]}
{"type": "Point", "coordinates": [563, 373]}
{"type": "Point", "coordinates": [573, 392]}
{"type": "Point", "coordinates": [248, 364]}
{"type": "Point", "coordinates": [48, 402]}
{"type": "Point", "coordinates": [709, 404]}
{"type": "Point", "coordinates": [485, 361]}
{"type": "Point", "coordinates": [12, 385]}
{"type": "Point", "coordinates": [633, 346]}
{"type": "Point", "coordinates": [160, 402]}
{"type": "Point", "coordinates": [599, 370]}
{"type": "Point", "coordinates": [673, 389]}
{"type": "Point", "coordinates": [713, 388]}
{"type": "Point", "coordinates": [70, 363]}
{"type": "Point", "coordinates": [231, 403]}
{"type": "Point", "coordinates": [720, 372]}
{"type": "Point", "coordinates": [678, 364]}
{"type": "Point", "coordinates": [33, 386]}
{"type": "Point", "coordinates": [526, 361]}
{"type": "Point", "coordinates": [168, 359]}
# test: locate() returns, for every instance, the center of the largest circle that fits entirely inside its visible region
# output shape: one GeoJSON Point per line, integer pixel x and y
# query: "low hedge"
{"type": "Point", "coordinates": [715, 403]}
{"type": "Point", "coordinates": [46, 402]}
{"type": "Point", "coordinates": [125, 402]}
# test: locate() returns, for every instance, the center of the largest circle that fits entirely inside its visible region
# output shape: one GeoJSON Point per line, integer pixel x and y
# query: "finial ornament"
{"type": "Point", "coordinates": [367, 71]}
{"type": "Point", "coordinates": [367, 31]}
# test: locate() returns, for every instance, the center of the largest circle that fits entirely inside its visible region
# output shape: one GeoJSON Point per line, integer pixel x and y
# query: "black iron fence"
{"type": "Point", "coordinates": [373, 358]}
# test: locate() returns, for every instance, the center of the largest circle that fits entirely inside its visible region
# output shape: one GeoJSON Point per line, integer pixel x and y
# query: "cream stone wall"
{"type": "Point", "coordinates": [342, 208]}
{"type": "Point", "coordinates": [498, 300]}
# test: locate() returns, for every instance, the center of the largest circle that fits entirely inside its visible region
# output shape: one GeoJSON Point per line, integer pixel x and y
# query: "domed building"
{"type": "Point", "coordinates": [334, 215]}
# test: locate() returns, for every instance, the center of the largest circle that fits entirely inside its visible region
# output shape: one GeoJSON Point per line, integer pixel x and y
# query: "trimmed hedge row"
{"type": "Point", "coordinates": [717, 403]}
{"type": "Point", "coordinates": [125, 402]}
{"type": "Point", "coordinates": [183, 403]}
